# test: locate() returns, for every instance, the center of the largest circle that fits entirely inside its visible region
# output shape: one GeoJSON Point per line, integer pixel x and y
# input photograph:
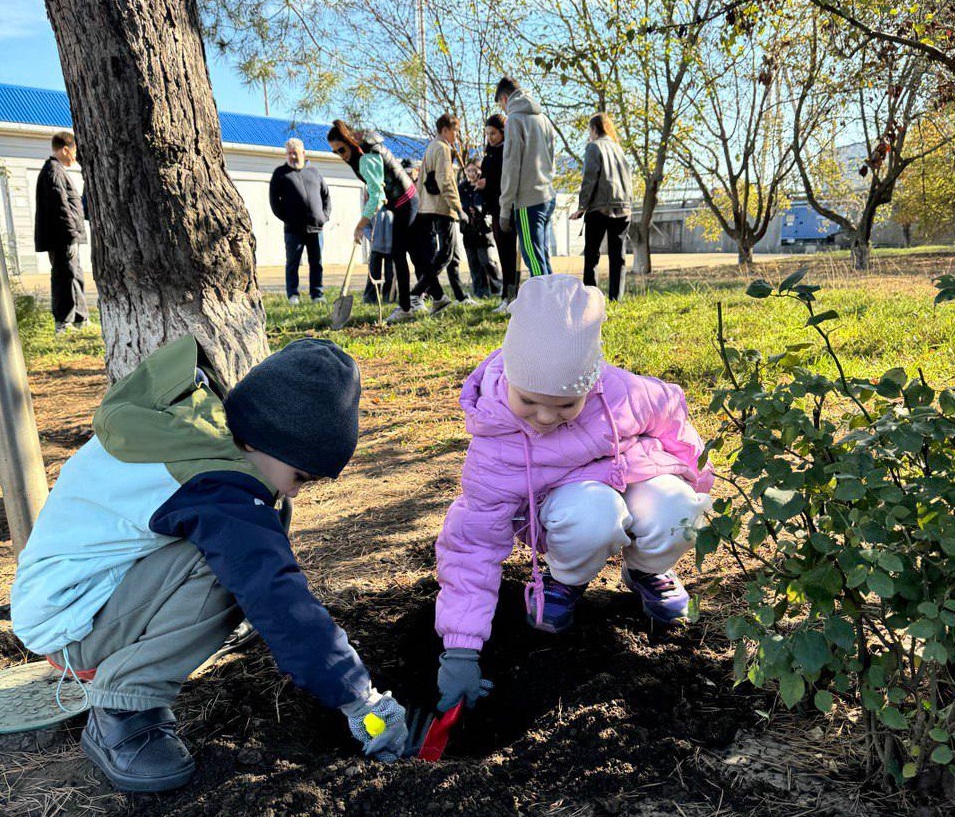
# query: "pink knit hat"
{"type": "Point", "coordinates": [552, 345]}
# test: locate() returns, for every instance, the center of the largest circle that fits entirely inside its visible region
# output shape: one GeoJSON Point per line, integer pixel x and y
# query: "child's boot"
{"type": "Point", "coordinates": [138, 751]}
{"type": "Point", "coordinates": [559, 602]}
{"type": "Point", "coordinates": [663, 596]}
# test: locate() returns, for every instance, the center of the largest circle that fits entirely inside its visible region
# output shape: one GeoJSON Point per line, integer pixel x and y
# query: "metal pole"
{"type": "Point", "coordinates": [22, 476]}
{"type": "Point", "coordinates": [423, 53]}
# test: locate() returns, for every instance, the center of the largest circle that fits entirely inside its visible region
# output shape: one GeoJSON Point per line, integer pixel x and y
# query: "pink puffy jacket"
{"type": "Point", "coordinates": [631, 429]}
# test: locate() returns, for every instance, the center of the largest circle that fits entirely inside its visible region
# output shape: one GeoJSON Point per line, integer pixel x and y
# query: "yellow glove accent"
{"type": "Point", "coordinates": [374, 725]}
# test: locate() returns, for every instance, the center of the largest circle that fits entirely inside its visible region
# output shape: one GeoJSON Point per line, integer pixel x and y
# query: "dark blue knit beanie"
{"type": "Point", "coordinates": [300, 405]}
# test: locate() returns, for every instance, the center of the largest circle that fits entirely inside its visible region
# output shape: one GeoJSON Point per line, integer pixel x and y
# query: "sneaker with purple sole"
{"type": "Point", "coordinates": [559, 602]}
{"type": "Point", "coordinates": [663, 596]}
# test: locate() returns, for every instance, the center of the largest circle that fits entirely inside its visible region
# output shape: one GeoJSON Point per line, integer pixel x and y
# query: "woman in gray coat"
{"type": "Point", "coordinates": [605, 195]}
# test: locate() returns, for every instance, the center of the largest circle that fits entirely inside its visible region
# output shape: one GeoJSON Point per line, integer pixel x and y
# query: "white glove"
{"type": "Point", "coordinates": [377, 722]}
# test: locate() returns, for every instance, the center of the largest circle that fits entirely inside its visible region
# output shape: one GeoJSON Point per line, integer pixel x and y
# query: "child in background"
{"type": "Point", "coordinates": [476, 237]}
{"type": "Point", "coordinates": [380, 266]}
{"type": "Point", "coordinates": [161, 533]}
{"type": "Point", "coordinates": [597, 460]}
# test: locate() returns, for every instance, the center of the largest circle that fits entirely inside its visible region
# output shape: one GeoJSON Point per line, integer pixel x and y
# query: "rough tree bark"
{"type": "Point", "coordinates": [861, 251]}
{"type": "Point", "coordinates": [640, 235]}
{"type": "Point", "coordinates": [172, 245]}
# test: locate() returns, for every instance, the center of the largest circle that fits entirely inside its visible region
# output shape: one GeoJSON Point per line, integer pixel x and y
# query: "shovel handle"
{"type": "Point", "coordinates": [351, 262]}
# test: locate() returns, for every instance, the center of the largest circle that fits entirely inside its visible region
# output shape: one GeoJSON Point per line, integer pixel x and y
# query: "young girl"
{"type": "Point", "coordinates": [580, 459]}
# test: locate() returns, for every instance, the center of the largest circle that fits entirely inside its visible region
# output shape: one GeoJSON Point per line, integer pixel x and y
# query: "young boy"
{"type": "Point", "coordinates": [476, 235]}
{"type": "Point", "coordinates": [161, 534]}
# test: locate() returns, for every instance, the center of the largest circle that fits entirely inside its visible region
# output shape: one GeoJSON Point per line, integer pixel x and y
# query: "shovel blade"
{"type": "Point", "coordinates": [341, 311]}
{"type": "Point", "coordinates": [428, 733]}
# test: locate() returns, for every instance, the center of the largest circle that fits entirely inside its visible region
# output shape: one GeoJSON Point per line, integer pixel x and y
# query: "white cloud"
{"type": "Point", "coordinates": [22, 19]}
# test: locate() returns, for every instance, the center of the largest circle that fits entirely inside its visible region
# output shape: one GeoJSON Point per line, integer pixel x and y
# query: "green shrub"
{"type": "Point", "coordinates": [843, 517]}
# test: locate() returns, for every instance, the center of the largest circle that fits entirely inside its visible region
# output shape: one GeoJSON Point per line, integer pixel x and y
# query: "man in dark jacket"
{"type": "Point", "coordinates": [59, 231]}
{"type": "Point", "coordinates": [300, 198]}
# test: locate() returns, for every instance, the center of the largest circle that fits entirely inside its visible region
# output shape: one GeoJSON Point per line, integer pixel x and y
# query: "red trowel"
{"type": "Point", "coordinates": [428, 734]}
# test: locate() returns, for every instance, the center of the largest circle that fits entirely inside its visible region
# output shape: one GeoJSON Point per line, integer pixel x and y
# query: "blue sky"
{"type": "Point", "coordinates": [28, 56]}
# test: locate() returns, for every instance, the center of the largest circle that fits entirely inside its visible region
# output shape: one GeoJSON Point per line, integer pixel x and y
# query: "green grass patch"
{"type": "Point", "coordinates": [897, 252]}
{"type": "Point", "coordinates": [42, 347]}
{"type": "Point", "coordinates": [668, 332]}
{"type": "Point", "coordinates": [671, 331]}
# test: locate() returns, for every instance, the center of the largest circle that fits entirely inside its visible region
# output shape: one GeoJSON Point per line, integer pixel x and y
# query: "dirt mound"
{"type": "Point", "coordinates": [604, 714]}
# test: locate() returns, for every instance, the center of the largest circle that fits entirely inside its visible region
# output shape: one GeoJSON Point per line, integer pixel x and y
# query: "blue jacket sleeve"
{"type": "Point", "coordinates": [230, 518]}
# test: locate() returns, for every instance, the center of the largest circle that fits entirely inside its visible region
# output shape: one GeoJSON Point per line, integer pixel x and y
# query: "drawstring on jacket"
{"type": "Point", "coordinates": [613, 427]}
{"type": "Point", "coordinates": [69, 671]}
{"type": "Point", "coordinates": [534, 589]}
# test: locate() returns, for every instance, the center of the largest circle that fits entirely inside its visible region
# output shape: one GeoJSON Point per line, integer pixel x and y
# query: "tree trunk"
{"type": "Point", "coordinates": [906, 235]}
{"type": "Point", "coordinates": [172, 245]}
{"type": "Point", "coordinates": [861, 254]}
{"type": "Point", "coordinates": [744, 254]}
{"type": "Point", "coordinates": [640, 234]}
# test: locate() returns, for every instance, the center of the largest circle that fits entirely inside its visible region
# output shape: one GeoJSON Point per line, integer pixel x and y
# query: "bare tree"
{"type": "Point", "coordinates": [873, 94]}
{"type": "Point", "coordinates": [738, 150]}
{"type": "Point", "coordinates": [631, 59]}
{"type": "Point", "coordinates": [172, 243]}
{"type": "Point", "coordinates": [394, 61]}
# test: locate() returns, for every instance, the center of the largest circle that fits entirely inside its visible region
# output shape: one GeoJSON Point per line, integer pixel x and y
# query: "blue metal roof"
{"type": "Point", "coordinates": [39, 106]}
{"type": "Point", "coordinates": [34, 106]}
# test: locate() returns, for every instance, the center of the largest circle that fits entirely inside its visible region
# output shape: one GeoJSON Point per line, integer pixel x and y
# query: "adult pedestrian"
{"type": "Point", "coordinates": [605, 199]}
{"type": "Point", "coordinates": [489, 184]}
{"type": "Point", "coordinates": [527, 178]}
{"type": "Point", "coordinates": [440, 212]}
{"type": "Point", "coordinates": [388, 185]}
{"type": "Point", "coordinates": [300, 199]}
{"type": "Point", "coordinates": [476, 236]}
{"type": "Point", "coordinates": [59, 231]}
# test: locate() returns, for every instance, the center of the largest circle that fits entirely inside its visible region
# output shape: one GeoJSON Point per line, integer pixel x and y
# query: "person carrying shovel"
{"type": "Point", "coordinates": [579, 459]}
{"type": "Point", "coordinates": [161, 534]}
{"type": "Point", "coordinates": [388, 186]}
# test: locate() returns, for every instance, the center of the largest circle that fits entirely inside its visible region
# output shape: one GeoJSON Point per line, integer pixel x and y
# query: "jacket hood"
{"type": "Point", "coordinates": [484, 400]}
{"type": "Point", "coordinates": [486, 414]}
{"type": "Point", "coordinates": [164, 412]}
{"type": "Point", "coordinates": [520, 102]}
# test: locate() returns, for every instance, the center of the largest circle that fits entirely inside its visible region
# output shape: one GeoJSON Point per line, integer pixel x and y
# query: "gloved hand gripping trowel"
{"type": "Point", "coordinates": [461, 684]}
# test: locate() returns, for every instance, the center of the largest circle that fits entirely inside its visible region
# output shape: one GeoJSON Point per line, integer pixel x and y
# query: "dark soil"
{"type": "Point", "coordinates": [605, 714]}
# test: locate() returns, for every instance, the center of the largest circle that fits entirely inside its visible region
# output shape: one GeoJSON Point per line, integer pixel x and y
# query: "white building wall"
{"type": "Point", "coordinates": [24, 149]}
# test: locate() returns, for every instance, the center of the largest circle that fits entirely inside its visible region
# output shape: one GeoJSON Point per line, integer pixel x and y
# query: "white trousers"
{"type": "Point", "coordinates": [652, 523]}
